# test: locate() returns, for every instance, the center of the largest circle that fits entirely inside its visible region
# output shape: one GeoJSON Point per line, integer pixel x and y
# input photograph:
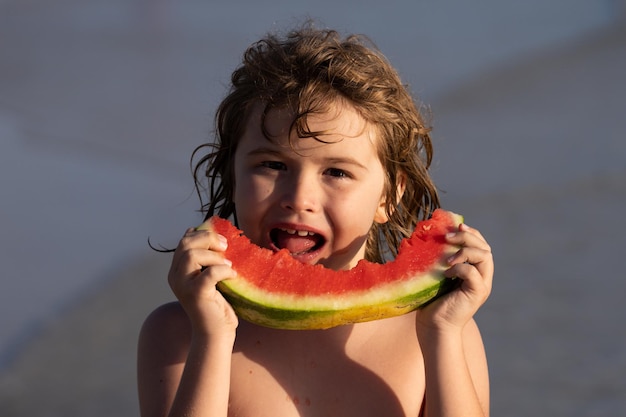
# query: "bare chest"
{"type": "Point", "coordinates": [326, 375]}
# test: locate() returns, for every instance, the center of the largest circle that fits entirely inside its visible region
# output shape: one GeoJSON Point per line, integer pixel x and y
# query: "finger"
{"type": "Point", "coordinates": [467, 236]}
{"type": "Point", "coordinates": [217, 273]}
{"type": "Point", "coordinates": [481, 259]}
{"type": "Point", "coordinates": [202, 239]}
{"type": "Point", "coordinates": [218, 269]}
{"type": "Point", "coordinates": [469, 254]}
{"type": "Point", "coordinates": [472, 280]}
{"type": "Point", "coordinates": [191, 262]}
{"type": "Point", "coordinates": [194, 259]}
{"type": "Point", "coordinates": [466, 228]}
{"type": "Point", "coordinates": [191, 290]}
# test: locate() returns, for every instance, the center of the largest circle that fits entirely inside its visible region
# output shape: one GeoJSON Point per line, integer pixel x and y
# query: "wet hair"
{"type": "Point", "coordinates": [307, 70]}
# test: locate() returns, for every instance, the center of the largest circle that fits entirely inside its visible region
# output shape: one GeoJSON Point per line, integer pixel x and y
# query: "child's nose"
{"type": "Point", "coordinates": [302, 196]}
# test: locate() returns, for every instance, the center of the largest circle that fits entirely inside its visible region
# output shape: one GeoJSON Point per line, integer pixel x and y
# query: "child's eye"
{"type": "Point", "coordinates": [275, 165]}
{"type": "Point", "coordinates": [336, 172]}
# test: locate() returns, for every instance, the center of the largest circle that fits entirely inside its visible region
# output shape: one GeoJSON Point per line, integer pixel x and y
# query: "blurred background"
{"type": "Point", "coordinates": [102, 103]}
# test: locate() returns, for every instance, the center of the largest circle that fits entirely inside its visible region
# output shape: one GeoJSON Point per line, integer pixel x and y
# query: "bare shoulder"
{"type": "Point", "coordinates": [166, 315]}
{"type": "Point", "coordinates": [166, 320]}
{"type": "Point", "coordinates": [166, 331]}
{"type": "Point", "coordinates": [161, 354]}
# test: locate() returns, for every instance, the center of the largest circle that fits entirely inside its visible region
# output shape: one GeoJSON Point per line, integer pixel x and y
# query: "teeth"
{"type": "Point", "coordinates": [301, 233]}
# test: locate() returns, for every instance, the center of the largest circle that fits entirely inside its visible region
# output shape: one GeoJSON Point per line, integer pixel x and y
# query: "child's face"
{"type": "Point", "coordinates": [318, 200]}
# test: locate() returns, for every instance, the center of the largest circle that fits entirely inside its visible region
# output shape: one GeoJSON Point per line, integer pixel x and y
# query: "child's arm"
{"type": "Point", "coordinates": [457, 382]}
{"type": "Point", "coordinates": [185, 349]}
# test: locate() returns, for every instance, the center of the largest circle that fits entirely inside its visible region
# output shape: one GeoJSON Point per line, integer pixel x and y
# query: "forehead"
{"type": "Point", "coordinates": [337, 121]}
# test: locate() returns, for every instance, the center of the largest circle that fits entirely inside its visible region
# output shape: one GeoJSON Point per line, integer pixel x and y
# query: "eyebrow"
{"type": "Point", "coordinates": [264, 151]}
{"type": "Point", "coordinates": [331, 160]}
{"type": "Point", "coordinates": [347, 160]}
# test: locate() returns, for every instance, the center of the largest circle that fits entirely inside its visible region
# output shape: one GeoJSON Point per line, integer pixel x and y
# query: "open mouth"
{"type": "Point", "coordinates": [297, 242]}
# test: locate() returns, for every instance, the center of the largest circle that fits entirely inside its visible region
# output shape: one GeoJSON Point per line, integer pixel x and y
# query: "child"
{"type": "Point", "coordinates": [317, 135]}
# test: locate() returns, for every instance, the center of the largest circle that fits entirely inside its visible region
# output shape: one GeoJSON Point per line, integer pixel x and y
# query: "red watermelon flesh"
{"type": "Point", "coordinates": [275, 290]}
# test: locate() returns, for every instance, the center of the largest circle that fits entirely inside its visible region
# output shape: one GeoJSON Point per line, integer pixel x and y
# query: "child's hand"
{"type": "Point", "coordinates": [198, 265]}
{"type": "Point", "coordinates": [473, 265]}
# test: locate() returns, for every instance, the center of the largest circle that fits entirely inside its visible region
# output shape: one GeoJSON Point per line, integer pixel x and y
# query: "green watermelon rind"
{"type": "Point", "coordinates": [289, 318]}
{"type": "Point", "coordinates": [383, 293]}
{"type": "Point", "coordinates": [284, 311]}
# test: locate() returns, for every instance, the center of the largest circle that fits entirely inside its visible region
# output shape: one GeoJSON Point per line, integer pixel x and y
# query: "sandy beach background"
{"type": "Point", "coordinates": [101, 104]}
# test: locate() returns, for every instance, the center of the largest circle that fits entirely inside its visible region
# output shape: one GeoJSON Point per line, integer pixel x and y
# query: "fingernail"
{"type": "Point", "coordinates": [228, 262]}
{"type": "Point", "coordinates": [222, 241]}
{"type": "Point", "coordinates": [450, 235]}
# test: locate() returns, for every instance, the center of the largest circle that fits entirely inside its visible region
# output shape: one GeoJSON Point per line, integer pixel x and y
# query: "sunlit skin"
{"type": "Point", "coordinates": [331, 189]}
{"type": "Point", "coordinates": [196, 358]}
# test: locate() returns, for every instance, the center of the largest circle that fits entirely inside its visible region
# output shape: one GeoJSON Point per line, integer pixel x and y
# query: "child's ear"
{"type": "Point", "coordinates": [381, 211]}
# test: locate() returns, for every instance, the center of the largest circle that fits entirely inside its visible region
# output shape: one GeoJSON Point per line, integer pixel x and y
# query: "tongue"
{"type": "Point", "coordinates": [294, 243]}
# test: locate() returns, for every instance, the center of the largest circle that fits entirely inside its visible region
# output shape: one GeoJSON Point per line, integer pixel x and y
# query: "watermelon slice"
{"type": "Point", "coordinates": [275, 290]}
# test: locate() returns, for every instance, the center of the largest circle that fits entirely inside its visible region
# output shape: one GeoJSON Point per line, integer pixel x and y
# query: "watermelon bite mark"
{"type": "Point", "coordinates": [275, 290]}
